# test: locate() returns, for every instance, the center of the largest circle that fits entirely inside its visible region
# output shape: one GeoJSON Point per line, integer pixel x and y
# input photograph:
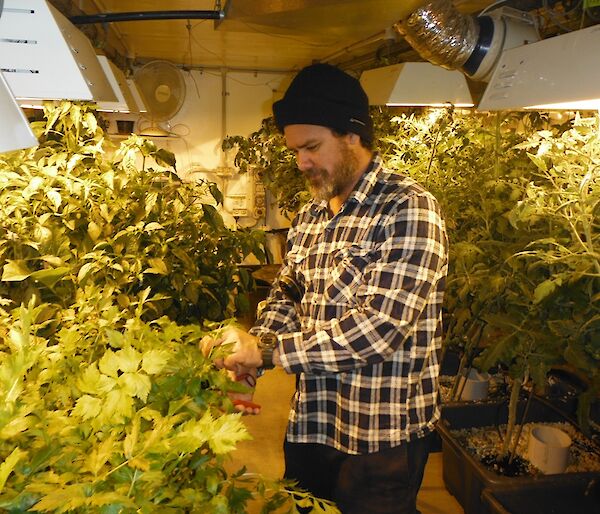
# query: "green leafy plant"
{"type": "Point", "coordinates": [264, 151]}
{"type": "Point", "coordinates": [562, 205]}
{"type": "Point", "coordinates": [512, 300]}
{"type": "Point", "coordinates": [118, 414]}
{"type": "Point", "coordinates": [73, 216]}
{"type": "Point", "coordinates": [467, 162]}
{"type": "Point", "coordinates": [111, 274]}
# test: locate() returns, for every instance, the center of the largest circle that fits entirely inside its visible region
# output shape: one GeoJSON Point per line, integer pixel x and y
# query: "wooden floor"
{"type": "Point", "coordinates": [264, 453]}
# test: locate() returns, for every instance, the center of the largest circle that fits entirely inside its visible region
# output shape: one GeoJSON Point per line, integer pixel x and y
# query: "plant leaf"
{"type": "Point", "coordinates": [165, 158]}
{"type": "Point", "coordinates": [157, 266]}
{"type": "Point", "coordinates": [154, 361]}
{"type": "Point", "coordinates": [546, 288]}
{"type": "Point", "coordinates": [87, 407]}
{"type": "Point", "coordinates": [9, 464]}
{"type": "Point", "coordinates": [49, 277]}
{"type": "Point", "coordinates": [15, 271]}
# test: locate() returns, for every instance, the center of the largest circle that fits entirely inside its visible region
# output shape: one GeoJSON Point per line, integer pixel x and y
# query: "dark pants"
{"type": "Point", "coordinates": [386, 482]}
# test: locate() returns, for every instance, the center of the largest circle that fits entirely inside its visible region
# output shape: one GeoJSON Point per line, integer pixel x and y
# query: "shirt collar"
{"type": "Point", "coordinates": [364, 187]}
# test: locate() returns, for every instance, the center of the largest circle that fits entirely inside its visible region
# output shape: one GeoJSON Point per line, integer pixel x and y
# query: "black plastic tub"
{"type": "Point", "coordinates": [572, 495]}
{"type": "Point", "coordinates": [464, 476]}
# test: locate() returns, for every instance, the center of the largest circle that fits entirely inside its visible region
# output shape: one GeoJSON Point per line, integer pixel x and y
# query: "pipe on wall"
{"type": "Point", "coordinates": [146, 16]}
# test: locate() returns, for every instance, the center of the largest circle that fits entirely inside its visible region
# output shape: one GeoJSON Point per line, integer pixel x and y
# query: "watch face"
{"type": "Point", "coordinates": [268, 339]}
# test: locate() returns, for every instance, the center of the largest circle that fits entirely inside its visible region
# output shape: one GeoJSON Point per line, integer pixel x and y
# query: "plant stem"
{"type": "Point", "coordinates": [433, 152]}
{"type": "Point", "coordinates": [454, 392]}
{"type": "Point", "coordinates": [512, 414]}
{"type": "Point", "coordinates": [523, 419]}
{"type": "Point", "coordinates": [497, 145]}
{"type": "Point", "coordinates": [133, 481]}
{"type": "Point", "coordinates": [466, 360]}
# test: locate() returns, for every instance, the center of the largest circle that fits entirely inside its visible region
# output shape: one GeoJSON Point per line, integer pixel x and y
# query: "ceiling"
{"type": "Point", "coordinates": [254, 34]}
{"type": "Point", "coordinates": [264, 35]}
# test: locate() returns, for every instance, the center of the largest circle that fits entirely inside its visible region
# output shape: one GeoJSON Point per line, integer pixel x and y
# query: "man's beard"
{"type": "Point", "coordinates": [330, 186]}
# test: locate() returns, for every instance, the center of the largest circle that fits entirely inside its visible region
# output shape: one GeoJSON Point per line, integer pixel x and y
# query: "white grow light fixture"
{"type": "Point", "coordinates": [15, 132]}
{"type": "Point", "coordinates": [44, 57]}
{"type": "Point", "coordinates": [125, 101]}
{"type": "Point", "coordinates": [562, 72]}
{"type": "Point", "coordinates": [416, 84]}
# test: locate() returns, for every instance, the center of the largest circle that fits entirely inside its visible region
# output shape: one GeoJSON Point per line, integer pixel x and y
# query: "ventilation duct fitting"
{"type": "Point", "coordinates": [448, 38]}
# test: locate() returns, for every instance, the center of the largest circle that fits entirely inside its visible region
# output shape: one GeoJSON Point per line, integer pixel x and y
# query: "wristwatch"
{"type": "Point", "coordinates": [267, 342]}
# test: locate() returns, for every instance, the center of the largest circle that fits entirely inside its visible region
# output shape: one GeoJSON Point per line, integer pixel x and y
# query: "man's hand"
{"type": "Point", "coordinates": [245, 353]}
{"type": "Point", "coordinates": [241, 364]}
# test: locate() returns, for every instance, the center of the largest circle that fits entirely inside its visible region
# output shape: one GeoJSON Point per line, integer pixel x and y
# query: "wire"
{"type": "Point", "coordinates": [552, 14]}
{"type": "Point", "coordinates": [195, 83]}
{"type": "Point", "coordinates": [188, 26]}
{"type": "Point", "coordinates": [589, 12]}
{"type": "Point", "coordinates": [199, 23]}
{"type": "Point", "coordinates": [191, 38]}
{"type": "Point", "coordinates": [498, 2]}
{"type": "Point", "coordinates": [207, 50]}
{"type": "Point", "coordinates": [182, 135]}
{"type": "Point", "coordinates": [576, 6]}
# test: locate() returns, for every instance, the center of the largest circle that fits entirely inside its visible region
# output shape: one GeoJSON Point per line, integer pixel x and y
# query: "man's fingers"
{"type": "Point", "coordinates": [207, 343]}
{"type": "Point", "coordinates": [232, 363]}
{"type": "Point", "coordinates": [247, 407]}
{"type": "Point", "coordinates": [242, 347]}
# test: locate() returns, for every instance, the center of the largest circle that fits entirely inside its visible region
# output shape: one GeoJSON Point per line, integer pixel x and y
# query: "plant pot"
{"type": "Point", "coordinates": [474, 386]}
{"type": "Point", "coordinates": [464, 475]}
{"type": "Point", "coordinates": [572, 495]}
{"type": "Point", "coordinates": [548, 449]}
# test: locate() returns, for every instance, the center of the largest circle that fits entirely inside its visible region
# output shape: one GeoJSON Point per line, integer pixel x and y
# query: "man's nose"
{"type": "Point", "coordinates": [303, 161]}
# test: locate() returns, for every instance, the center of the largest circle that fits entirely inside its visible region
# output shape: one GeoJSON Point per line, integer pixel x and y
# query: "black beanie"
{"type": "Point", "coordinates": [324, 95]}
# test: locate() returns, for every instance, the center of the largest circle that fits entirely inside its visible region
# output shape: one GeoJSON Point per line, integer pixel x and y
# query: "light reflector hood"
{"type": "Point", "coordinates": [15, 132]}
{"type": "Point", "coordinates": [125, 101]}
{"type": "Point", "coordinates": [562, 72]}
{"type": "Point", "coordinates": [416, 83]}
{"type": "Point", "coordinates": [135, 92]}
{"type": "Point", "coordinates": [43, 55]}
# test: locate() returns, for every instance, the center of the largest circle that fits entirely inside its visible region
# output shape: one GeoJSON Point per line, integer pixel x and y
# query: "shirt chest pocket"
{"type": "Point", "coordinates": [346, 273]}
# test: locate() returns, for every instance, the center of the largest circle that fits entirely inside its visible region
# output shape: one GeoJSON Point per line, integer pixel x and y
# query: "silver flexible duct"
{"type": "Point", "coordinates": [441, 34]}
{"type": "Point", "coordinates": [445, 37]}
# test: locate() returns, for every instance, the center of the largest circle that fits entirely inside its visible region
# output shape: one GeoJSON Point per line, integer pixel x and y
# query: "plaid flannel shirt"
{"type": "Point", "coordinates": [364, 337]}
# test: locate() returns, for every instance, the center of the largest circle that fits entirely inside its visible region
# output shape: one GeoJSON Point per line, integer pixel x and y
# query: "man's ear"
{"type": "Point", "coordinates": [353, 139]}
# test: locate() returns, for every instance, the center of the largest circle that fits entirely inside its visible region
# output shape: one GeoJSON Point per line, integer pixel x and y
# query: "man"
{"type": "Point", "coordinates": [355, 311]}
